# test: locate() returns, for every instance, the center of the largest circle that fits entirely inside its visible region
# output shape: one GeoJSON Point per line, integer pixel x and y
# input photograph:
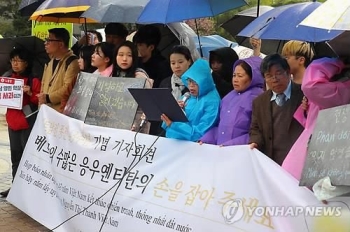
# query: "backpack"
{"type": "Point", "coordinates": [70, 59]}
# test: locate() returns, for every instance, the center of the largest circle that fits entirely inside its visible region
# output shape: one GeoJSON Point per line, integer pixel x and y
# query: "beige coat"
{"type": "Point", "coordinates": [56, 84]}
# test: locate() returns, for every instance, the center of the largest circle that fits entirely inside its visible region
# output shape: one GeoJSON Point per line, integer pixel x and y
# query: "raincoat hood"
{"type": "Point", "coordinates": [254, 62]}
{"type": "Point", "coordinates": [227, 56]}
{"type": "Point", "coordinates": [200, 72]}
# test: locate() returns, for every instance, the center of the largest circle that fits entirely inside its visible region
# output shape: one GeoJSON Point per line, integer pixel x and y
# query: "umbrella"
{"type": "Point", "coordinates": [338, 46]}
{"type": "Point", "coordinates": [174, 34]}
{"type": "Point", "coordinates": [332, 15]}
{"type": "Point", "coordinates": [238, 22]}
{"type": "Point", "coordinates": [33, 44]}
{"type": "Point", "coordinates": [63, 11]}
{"type": "Point", "coordinates": [168, 11]}
{"type": "Point", "coordinates": [212, 42]}
{"type": "Point", "coordinates": [118, 11]}
{"type": "Point", "coordinates": [27, 7]}
{"type": "Point", "coordinates": [282, 23]}
{"type": "Point", "coordinates": [243, 18]}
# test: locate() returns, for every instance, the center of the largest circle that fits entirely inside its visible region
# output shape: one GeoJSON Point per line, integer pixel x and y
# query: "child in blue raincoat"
{"type": "Point", "coordinates": [202, 107]}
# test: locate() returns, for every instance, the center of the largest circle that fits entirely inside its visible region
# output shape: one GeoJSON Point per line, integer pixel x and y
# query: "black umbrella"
{"type": "Point", "coordinates": [241, 20]}
{"type": "Point", "coordinates": [27, 7]}
{"type": "Point", "coordinates": [33, 44]}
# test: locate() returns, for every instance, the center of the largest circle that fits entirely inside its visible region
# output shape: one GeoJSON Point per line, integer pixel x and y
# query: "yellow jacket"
{"type": "Point", "coordinates": [57, 83]}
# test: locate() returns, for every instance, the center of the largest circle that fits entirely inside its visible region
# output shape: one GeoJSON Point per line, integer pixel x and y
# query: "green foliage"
{"type": "Point", "coordinates": [11, 23]}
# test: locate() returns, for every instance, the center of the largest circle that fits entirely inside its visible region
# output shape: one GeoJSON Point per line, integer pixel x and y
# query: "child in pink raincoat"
{"type": "Point", "coordinates": [321, 94]}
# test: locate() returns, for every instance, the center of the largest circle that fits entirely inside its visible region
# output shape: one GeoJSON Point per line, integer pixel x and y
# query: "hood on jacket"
{"type": "Point", "coordinates": [227, 56]}
{"type": "Point", "coordinates": [254, 63]}
{"type": "Point", "coordinates": [200, 72]}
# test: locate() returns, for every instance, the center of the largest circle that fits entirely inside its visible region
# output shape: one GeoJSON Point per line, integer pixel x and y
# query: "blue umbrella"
{"type": "Point", "coordinates": [118, 11]}
{"type": "Point", "coordinates": [169, 11]}
{"type": "Point", "coordinates": [282, 23]}
{"type": "Point", "coordinates": [212, 42]}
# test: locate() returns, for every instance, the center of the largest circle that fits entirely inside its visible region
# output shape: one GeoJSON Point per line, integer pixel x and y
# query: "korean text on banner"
{"type": "Point", "coordinates": [11, 92]}
{"type": "Point", "coordinates": [160, 185]}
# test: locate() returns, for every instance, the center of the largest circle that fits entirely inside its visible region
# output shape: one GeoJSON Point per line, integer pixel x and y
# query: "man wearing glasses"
{"type": "Point", "coordinates": [60, 71]}
{"type": "Point", "coordinates": [273, 129]}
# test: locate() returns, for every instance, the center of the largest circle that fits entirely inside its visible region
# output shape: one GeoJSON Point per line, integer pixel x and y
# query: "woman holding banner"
{"type": "Point", "coordinates": [21, 122]}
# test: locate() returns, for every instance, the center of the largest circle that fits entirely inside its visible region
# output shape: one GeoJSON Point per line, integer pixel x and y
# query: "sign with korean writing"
{"type": "Point", "coordinates": [112, 104]}
{"type": "Point", "coordinates": [80, 98]}
{"type": "Point", "coordinates": [93, 177]}
{"type": "Point", "coordinates": [41, 29]}
{"type": "Point", "coordinates": [11, 92]}
{"type": "Point", "coordinates": [102, 101]}
{"type": "Point", "coordinates": [329, 148]}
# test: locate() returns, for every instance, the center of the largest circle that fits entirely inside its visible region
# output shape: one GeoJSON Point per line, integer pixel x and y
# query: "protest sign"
{"type": "Point", "coordinates": [41, 29]}
{"type": "Point", "coordinates": [103, 101]}
{"type": "Point", "coordinates": [159, 184]}
{"type": "Point", "coordinates": [11, 92]}
{"type": "Point", "coordinates": [329, 148]}
{"type": "Point", "coordinates": [112, 104]}
{"type": "Point", "coordinates": [80, 98]}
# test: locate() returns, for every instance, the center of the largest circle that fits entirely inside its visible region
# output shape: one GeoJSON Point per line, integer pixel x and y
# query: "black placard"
{"type": "Point", "coordinates": [329, 148]}
{"type": "Point", "coordinates": [112, 104]}
{"type": "Point", "coordinates": [80, 98]}
{"type": "Point", "coordinates": [103, 101]}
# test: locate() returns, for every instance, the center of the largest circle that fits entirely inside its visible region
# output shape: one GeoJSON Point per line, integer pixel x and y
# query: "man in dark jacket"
{"type": "Point", "coordinates": [157, 67]}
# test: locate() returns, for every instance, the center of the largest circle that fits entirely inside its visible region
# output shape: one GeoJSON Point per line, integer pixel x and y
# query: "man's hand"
{"type": "Point", "coordinates": [253, 145]}
{"type": "Point", "coordinates": [41, 98]}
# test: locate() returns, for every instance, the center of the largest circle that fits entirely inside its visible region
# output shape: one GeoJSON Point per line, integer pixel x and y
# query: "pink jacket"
{"type": "Point", "coordinates": [321, 94]}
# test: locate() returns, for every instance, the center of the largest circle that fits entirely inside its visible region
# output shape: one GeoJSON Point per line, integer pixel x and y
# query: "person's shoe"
{"type": "Point", "coordinates": [5, 193]}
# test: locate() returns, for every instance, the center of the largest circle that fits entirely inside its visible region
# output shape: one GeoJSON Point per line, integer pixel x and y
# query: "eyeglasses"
{"type": "Point", "coordinates": [16, 61]}
{"type": "Point", "coordinates": [190, 81]}
{"type": "Point", "coordinates": [48, 40]}
{"type": "Point", "coordinates": [277, 76]}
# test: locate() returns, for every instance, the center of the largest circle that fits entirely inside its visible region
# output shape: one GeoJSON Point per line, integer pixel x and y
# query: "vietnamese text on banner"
{"type": "Point", "coordinates": [159, 185]}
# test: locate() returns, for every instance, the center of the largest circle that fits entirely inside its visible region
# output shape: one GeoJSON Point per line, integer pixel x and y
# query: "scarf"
{"type": "Point", "coordinates": [177, 86]}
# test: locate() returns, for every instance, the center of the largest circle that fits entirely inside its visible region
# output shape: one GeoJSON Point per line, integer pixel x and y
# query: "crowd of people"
{"type": "Point", "coordinates": [270, 104]}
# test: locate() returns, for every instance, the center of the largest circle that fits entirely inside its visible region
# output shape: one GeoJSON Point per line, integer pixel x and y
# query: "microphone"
{"type": "Point", "coordinates": [143, 121]}
{"type": "Point", "coordinates": [185, 97]}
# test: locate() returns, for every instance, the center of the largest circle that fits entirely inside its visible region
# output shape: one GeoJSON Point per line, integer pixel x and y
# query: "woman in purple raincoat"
{"type": "Point", "coordinates": [236, 106]}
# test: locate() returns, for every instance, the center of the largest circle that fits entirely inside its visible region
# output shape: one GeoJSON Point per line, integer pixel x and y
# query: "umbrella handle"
{"type": "Point", "coordinates": [199, 40]}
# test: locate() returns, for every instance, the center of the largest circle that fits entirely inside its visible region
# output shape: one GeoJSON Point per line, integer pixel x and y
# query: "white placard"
{"type": "Point", "coordinates": [11, 92]}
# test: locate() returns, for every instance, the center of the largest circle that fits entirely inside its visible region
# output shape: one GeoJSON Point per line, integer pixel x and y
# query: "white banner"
{"type": "Point", "coordinates": [159, 185]}
{"type": "Point", "coordinates": [11, 92]}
